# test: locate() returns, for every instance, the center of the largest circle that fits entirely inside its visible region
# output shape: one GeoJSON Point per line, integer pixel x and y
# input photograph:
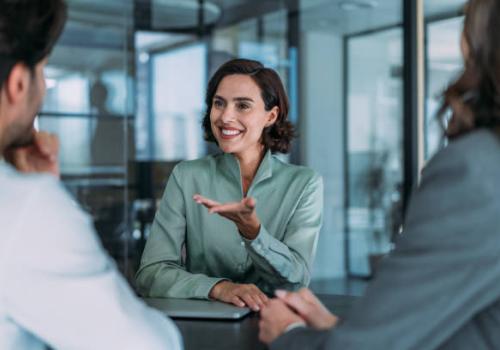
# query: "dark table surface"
{"type": "Point", "coordinates": [242, 334]}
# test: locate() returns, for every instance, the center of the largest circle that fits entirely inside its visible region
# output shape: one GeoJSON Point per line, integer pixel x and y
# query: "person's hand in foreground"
{"type": "Point", "coordinates": [39, 156]}
{"type": "Point", "coordinates": [292, 308]}
{"type": "Point", "coordinates": [241, 213]}
{"type": "Point", "coordinates": [239, 294]}
{"type": "Point", "coordinates": [309, 308]}
{"type": "Point", "coordinates": [275, 319]}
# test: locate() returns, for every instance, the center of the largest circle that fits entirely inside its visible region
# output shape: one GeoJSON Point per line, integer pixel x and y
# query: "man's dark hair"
{"type": "Point", "coordinates": [277, 137]}
{"type": "Point", "coordinates": [28, 31]}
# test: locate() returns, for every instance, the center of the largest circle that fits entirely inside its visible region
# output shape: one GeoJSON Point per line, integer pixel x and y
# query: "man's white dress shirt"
{"type": "Point", "coordinates": [58, 287]}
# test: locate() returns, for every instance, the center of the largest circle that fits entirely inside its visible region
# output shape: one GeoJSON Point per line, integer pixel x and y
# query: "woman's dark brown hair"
{"type": "Point", "coordinates": [277, 137]}
{"type": "Point", "coordinates": [474, 98]}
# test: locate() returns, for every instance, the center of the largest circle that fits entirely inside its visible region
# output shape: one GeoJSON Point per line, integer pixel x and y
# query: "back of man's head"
{"type": "Point", "coordinates": [28, 31]}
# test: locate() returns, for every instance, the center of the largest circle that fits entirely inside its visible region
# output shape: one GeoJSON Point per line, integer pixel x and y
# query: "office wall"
{"type": "Point", "coordinates": [322, 142]}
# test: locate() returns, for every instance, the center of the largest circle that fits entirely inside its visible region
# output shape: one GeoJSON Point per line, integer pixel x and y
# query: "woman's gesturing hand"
{"type": "Point", "coordinates": [241, 213]}
{"type": "Point", "coordinates": [239, 294]}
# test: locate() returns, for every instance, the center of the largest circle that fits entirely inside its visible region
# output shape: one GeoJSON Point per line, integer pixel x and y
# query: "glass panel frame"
{"type": "Point", "coordinates": [374, 146]}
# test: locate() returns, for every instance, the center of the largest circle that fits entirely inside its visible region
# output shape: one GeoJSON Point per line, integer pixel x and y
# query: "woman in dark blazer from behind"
{"type": "Point", "coordinates": [440, 287]}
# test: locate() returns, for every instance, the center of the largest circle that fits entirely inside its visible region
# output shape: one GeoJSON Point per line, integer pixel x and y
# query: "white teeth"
{"type": "Point", "coordinates": [230, 132]}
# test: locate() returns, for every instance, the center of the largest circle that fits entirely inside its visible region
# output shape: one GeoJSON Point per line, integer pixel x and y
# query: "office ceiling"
{"type": "Point", "coordinates": [332, 16]}
{"type": "Point", "coordinates": [325, 13]}
{"type": "Point", "coordinates": [103, 25]}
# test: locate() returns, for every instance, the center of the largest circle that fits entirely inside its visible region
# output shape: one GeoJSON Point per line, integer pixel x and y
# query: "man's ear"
{"type": "Point", "coordinates": [17, 84]}
{"type": "Point", "coordinates": [273, 115]}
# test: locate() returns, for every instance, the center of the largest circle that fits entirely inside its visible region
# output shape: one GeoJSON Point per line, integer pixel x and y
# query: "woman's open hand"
{"type": "Point", "coordinates": [242, 213]}
{"type": "Point", "coordinates": [239, 294]}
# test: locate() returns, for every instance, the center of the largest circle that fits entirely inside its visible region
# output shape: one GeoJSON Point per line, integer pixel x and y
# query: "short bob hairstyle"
{"type": "Point", "coordinates": [277, 137]}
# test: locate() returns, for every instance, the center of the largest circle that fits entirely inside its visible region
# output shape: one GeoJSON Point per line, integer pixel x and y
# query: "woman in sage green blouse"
{"type": "Point", "coordinates": [237, 225]}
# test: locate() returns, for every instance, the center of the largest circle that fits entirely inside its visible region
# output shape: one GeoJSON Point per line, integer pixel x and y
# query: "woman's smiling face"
{"type": "Point", "coordinates": [238, 115]}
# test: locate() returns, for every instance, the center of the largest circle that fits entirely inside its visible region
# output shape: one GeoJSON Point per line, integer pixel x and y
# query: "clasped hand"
{"type": "Point", "coordinates": [241, 213]}
{"type": "Point", "coordinates": [289, 308]}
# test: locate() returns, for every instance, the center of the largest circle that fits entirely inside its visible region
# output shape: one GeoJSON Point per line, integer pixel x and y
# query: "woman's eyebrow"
{"type": "Point", "coordinates": [243, 99]}
{"type": "Point", "coordinates": [237, 99]}
{"type": "Point", "coordinates": [217, 97]}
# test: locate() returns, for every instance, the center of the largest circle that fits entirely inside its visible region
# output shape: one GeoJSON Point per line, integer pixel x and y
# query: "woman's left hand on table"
{"type": "Point", "coordinates": [242, 213]}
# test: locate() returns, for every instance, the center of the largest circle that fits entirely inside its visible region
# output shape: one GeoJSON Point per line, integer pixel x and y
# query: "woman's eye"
{"type": "Point", "coordinates": [217, 103]}
{"type": "Point", "coordinates": [243, 106]}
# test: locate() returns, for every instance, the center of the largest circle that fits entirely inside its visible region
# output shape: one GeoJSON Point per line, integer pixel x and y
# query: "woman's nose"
{"type": "Point", "coordinates": [227, 115]}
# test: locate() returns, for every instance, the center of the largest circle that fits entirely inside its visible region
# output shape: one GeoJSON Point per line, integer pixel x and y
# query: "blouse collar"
{"type": "Point", "coordinates": [232, 165]}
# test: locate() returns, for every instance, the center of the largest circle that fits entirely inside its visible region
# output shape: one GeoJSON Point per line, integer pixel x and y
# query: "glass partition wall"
{"type": "Point", "coordinates": [125, 94]}
{"type": "Point", "coordinates": [126, 87]}
{"type": "Point", "coordinates": [376, 127]}
{"type": "Point", "coordinates": [89, 105]}
{"type": "Point", "coordinates": [351, 126]}
{"type": "Point", "coordinates": [444, 62]}
{"type": "Point", "coordinates": [374, 146]}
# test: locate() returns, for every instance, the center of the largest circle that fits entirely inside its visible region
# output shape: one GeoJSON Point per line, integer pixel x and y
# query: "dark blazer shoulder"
{"type": "Point", "coordinates": [479, 147]}
{"type": "Point", "coordinates": [473, 157]}
{"type": "Point", "coordinates": [461, 177]}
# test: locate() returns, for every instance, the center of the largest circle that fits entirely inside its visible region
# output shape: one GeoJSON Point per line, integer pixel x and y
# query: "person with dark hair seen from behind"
{"type": "Point", "coordinates": [58, 288]}
{"type": "Point", "coordinates": [439, 288]}
{"type": "Point", "coordinates": [269, 212]}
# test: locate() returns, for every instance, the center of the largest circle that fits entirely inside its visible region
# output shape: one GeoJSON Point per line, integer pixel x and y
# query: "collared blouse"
{"type": "Point", "coordinates": [289, 204]}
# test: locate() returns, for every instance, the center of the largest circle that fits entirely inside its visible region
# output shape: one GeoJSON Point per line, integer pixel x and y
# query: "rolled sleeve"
{"type": "Point", "coordinates": [162, 273]}
{"type": "Point", "coordinates": [287, 263]}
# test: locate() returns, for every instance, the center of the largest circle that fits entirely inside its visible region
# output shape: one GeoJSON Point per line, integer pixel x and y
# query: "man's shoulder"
{"type": "Point", "coordinates": [42, 222]}
{"type": "Point", "coordinates": [32, 203]}
{"type": "Point", "coordinates": [20, 189]}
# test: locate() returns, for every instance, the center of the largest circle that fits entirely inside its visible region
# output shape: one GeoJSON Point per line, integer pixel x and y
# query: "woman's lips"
{"type": "Point", "coordinates": [229, 133]}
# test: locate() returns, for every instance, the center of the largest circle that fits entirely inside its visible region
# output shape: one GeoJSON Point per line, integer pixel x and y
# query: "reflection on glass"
{"type": "Point", "coordinates": [88, 112]}
{"type": "Point", "coordinates": [444, 62]}
{"type": "Point", "coordinates": [88, 106]}
{"type": "Point", "coordinates": [74, 139]}
{"type": "Point", "coordinates": [67, 90]}
{"type": "Point", "coordinates": [170, 79]}
{"type": "Point", "coordinates": [263, 39]}
{"type": "Point", "coordinates": [178, 78]}
{"type": "Point", "coordinates": [374, 153]}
